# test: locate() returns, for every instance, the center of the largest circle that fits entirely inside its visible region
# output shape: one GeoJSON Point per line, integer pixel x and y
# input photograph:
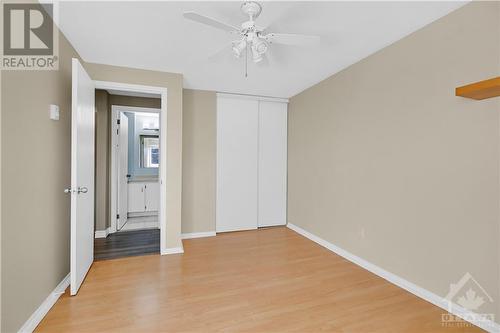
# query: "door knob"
{"type": "Point", "coordinates": [68, 190]}
{"type": "Point", "coordinates": [82, 189]}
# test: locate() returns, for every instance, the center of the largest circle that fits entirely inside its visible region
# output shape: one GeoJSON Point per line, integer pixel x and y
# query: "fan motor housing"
{"type": "Point", "coordinates": [251, 8]}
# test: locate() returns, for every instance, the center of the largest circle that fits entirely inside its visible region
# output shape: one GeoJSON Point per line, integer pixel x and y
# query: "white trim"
{"type": "Point", "coordinates": [47, 304]}
{"type": "Point", "coordinates": [105, 85]}
{"type": "Point", "coordinates": [150, 214]}
{"type": "Point", "coordinates": [253, 97]}
{"type": "Point", "coordinates": [162, 92]}
{"type": "Point", "coordinates": [172, 250]}
{"type": "Point", "coordinates": [140, 225]}
{"type": "Point", "coordinates": [162, 173]}
{"type": "Point", "coordinates": [198, 234]}
{"type": "Point", "coordinates": [113, 175]}
{"type": "Point", "coordinates": [102, 233]}
{"type": "Point", "coordinates": [425, 294]}
{"type": "Point", "coordinates": [268, 225]}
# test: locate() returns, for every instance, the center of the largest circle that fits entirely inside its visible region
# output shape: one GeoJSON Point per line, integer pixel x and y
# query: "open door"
{"type": "Point", "coordinates": [122, 170]}
{"type": "Point", "coordinates": [82, 175]}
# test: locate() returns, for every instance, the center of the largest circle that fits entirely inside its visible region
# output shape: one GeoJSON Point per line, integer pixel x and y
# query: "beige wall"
{"type": "Point", "coordinates": [103, 102]}
{"type": "Point", "coordinates": [35, 170]}
{"type": "Point", "coordinates": [35, 214]}
{"type": "Point", "coordinates": [101, 160]}
{"type": "Point", "coordinates": [199, 139]}
{"type": "Point", "coordinates": [140, 102]}
{"type": "Point", "coordinates": [385, 162]}
{"type": "Point", "coordinates": [198, 156]}
{"type": "Point", "coordinates": [173, 83]}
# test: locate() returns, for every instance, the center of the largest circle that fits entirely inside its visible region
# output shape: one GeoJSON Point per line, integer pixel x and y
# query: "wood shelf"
{"type": "Point", "coordinates": [480, 90]}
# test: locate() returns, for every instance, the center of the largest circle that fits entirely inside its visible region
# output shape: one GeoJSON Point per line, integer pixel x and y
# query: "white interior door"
{"type": "Point", "coordinates": [272, 163]}
{"type": "Point", "coordinates": [82, 175]}
{"type": "Point", "coordinates": [237, 145]}
{"type": "Point", "coordinates": [122, 170]}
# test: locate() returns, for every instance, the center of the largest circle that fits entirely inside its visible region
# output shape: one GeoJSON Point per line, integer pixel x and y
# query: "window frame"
{"type": "Point", "coordinates": [142, 136]}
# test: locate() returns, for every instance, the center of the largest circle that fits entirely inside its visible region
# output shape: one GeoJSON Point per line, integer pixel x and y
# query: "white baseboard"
{"type": "Point", "coordinates": [425, 294]}
{"type": "Point", "coordinates": [172, 250]}
{"type": "Point", "coordinates": [143, 214]}
{"type": "Point", "coordinates": [139, 225]}
{"type": "Point", "coordinates": [102, 233]}
{"type": "Point", "coordinates": [37, 316]}
{"type": "Point", "coordinates": [198, 234]}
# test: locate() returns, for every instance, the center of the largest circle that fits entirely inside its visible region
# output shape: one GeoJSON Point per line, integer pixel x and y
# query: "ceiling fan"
{"type": "Point", "coordinates": [250, 37]}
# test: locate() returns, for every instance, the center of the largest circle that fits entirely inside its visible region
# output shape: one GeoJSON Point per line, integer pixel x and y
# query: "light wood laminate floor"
{"type": "Point", "coordinates": [269, 280]}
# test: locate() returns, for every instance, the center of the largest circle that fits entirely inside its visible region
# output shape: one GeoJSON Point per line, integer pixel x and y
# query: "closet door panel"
{"type": "Point", "coordinates": [272, 163]}
{"type": "Point", "coordinates": [237, 166]}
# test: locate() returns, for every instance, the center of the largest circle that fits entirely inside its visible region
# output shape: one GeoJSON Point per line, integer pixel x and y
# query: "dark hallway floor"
{"type": "Point", "coordinates": [127, 244]}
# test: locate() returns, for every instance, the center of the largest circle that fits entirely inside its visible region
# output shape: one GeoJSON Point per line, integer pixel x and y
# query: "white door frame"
{"type": "Point", "coordinates": [115, 114]}
{"type": "Point", "coordinates": [162, 91]}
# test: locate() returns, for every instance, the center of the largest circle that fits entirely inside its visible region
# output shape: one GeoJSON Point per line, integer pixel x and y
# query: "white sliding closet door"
{"type": "Point", "coordinates": [237, 166]}
{"type": "Point", "coordinates": [272, 163]}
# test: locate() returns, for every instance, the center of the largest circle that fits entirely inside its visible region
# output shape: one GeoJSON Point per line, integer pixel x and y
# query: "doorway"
{"type": "Point", "coordinates": [83, 168]}
{"type": "Point", "coordinates": [127, 222]}
{"type": "Point", "coordinates": [135, 163]}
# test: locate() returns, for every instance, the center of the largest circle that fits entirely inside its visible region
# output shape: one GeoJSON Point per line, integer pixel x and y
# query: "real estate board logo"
{"type": "Point", "coordinates": [29, 37]}
{"type": "Point", "coordinates": [469, 298]}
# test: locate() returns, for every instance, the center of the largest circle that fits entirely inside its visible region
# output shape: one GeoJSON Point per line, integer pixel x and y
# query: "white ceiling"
{"type": "Point", "coordinates": [154, 35]}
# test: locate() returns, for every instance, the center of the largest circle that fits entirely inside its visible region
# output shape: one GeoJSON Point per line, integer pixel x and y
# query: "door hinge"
{"type": "Point", "coordinates": [118, 121]}
{"type": "Point", "coordinates": [117, 216]}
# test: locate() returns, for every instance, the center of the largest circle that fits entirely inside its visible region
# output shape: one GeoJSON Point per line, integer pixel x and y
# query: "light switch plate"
{"type": "Point", "coordinates": [54, 112]}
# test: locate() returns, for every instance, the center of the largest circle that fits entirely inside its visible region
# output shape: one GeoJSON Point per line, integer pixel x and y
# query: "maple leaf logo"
{"type": "Point", "coordinates": [471, 301]}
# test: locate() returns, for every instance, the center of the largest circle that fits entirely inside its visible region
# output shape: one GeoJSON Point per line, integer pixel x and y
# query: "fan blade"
{"type": "Point", "coordinates": [223, 52]}
{"type": "Point", "coordinates": [292, 39]}
{"type": "Point", "coordinates": [294, 13]}
{"type": "Point", "coordinates": [209, 21]}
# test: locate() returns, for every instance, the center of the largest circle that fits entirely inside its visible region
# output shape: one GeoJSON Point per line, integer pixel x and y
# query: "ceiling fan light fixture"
{"type": "Point", "coordinates": [256, 56]}
{"type": "Point", "coordinates": [252, 9]}
{"type": "Point", "coordinates": [259, 45]}
{"type": "Point", "coordinates": [239, 47]}
{"type": "Point", "coordinates": [251, 37]}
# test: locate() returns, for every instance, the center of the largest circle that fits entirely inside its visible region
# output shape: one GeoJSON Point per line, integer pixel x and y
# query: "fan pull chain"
{"type": "Point", "coordinates": [246, 62]}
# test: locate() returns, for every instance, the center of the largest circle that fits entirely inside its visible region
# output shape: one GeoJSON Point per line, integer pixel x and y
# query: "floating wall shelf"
{"type": "Point", "coordinates": [480, 90]}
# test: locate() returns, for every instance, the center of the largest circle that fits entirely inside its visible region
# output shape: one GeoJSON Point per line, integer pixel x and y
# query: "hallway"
{"type": "Point", "coordinates": [127, 244]}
